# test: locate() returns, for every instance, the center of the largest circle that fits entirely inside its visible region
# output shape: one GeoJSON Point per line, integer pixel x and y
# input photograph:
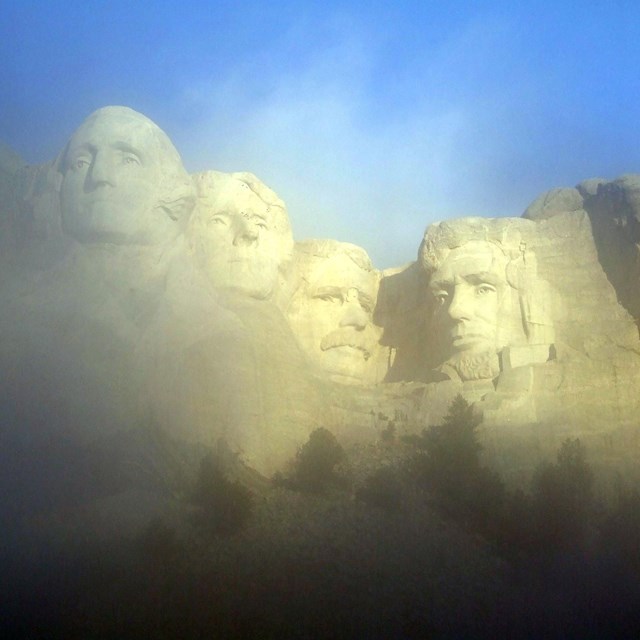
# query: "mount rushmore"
{"type": "Point", "coordinates": [133, 293]}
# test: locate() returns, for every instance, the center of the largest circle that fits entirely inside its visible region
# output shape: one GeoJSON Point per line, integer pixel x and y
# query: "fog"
{"type": "Point", "coordinates": [173, 462]}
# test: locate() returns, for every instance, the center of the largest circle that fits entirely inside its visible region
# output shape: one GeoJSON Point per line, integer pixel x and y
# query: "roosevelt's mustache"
{"type": "Point", "coordinates": [363, 340]}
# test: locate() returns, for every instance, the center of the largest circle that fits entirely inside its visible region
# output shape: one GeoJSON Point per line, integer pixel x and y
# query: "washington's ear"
{"type": "Point", "coordinates": [178, 204]}
{"type": "Point", "coordinates": [56, 174]}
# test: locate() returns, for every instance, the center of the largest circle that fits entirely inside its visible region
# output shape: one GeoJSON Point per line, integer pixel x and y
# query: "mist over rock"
{"type": "Point", "coordinates": [134, 296]}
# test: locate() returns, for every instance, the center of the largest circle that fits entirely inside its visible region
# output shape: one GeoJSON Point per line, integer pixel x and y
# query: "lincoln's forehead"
{"type": "Point", "coordinates": [473, 258]}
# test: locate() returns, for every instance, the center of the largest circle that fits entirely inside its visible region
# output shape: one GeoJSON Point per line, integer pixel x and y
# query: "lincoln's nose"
{"type": "Point", "coordinates": [461, 305]}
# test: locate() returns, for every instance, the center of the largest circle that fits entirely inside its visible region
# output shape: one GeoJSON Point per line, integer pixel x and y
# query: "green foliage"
{"type": "Point", "coordinates": [382, 489]}
{"type": "Point", "coordinates": [620, 531]}
{"type": "Point", "coordinates": [224, 506]}
{"type": "Point", "coordinates": [449, 467]}
{"type": "Point", "coordinates": [388, 434]}
{"type": "Point", "coordinates": [452, 446]}
{"type": "Point", "coordinates": [314, 470]}
{"type": "Point", "coordinates": [562, 496]}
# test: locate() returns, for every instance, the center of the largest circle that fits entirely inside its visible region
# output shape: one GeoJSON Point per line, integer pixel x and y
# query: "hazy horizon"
{"type": "Point", "coordinates": [370, 121]}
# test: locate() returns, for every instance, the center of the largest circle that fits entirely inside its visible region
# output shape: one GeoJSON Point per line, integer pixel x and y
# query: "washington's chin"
{"type": "Point", "coordinates": [104, 220]}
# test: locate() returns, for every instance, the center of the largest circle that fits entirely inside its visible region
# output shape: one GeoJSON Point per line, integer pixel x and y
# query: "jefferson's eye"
{"type": "Point", "coordinates": [261, 224]}
{"type": "Point", "coordinates": [327, 297]}
{"type": "Point", "coordinates": [485, 289]}
{"type": "Point", "coordinates": [218, 220]}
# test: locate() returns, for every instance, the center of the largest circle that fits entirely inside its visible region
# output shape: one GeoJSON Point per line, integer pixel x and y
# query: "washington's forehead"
{"type": "Point", "coordinates": [107, 132]}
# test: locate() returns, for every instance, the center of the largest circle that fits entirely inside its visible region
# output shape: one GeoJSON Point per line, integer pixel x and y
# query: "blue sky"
{"type": "Point", "coordinates": [369, 120]}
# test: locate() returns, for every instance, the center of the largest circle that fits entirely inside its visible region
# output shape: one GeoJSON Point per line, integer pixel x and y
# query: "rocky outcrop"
{"type": "Point", "coordinates": [133, 294]}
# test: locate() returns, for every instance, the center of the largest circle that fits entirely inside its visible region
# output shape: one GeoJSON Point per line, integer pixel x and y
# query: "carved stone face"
{"type": "Point", "coordinates": [469, 288]}
{"type": "Point", "coordinates": [331, 315]}
{"type": "Point", "coordinates": [240, 235]}
{"type": "Point", "coordinates": [114, 170]}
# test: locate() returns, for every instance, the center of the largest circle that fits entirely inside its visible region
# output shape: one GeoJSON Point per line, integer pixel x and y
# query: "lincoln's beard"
{"type": "Point", "coordinates": [473, 366]}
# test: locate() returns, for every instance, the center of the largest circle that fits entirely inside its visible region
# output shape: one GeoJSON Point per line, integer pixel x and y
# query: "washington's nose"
{"type": "Point", "coordinates": [461, 303]}
{"type": "Point", "coordinates": [246, 231]}
{"type": "Point", "coordinates": [101, 172]}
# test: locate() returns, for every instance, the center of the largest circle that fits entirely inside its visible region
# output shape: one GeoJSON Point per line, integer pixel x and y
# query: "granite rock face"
{"type": "Point", "coordinates": [331, 311]}
{"type": "Point", "coordinates": [136, 296]}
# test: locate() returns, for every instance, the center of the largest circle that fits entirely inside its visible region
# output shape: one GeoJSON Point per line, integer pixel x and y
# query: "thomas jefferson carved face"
{"type": "Point", "coordinates": [116, 168]}
{"type": "Point", "coordinates": [331, 312]}
{"type": "Point", "coordinates": [471, 296]}
{"type": "Point", "coordinates": [240, 233]}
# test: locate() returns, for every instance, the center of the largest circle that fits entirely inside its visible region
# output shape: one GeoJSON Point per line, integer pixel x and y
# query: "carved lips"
{"type": "Point", "coordinates": [349, 337]}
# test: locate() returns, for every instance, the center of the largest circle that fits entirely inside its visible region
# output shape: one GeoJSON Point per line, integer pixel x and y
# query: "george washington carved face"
{"type": "Point", "coordinates": [123, 181]}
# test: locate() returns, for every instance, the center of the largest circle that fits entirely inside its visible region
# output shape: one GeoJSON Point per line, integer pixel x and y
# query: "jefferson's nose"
{"type": "Point", "coordinates": [246, 231]}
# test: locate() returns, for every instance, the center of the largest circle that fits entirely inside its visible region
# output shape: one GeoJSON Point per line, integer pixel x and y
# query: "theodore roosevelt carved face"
{"type": "Point", "coordinates": [331, 310]}
{"type": "Point", "coordinates": [122, 181]}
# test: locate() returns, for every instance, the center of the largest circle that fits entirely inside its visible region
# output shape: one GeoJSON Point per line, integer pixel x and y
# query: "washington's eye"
{"type": "Point", "coordinates": [218, 220]}
{"type": "Point", "coordinates": [81, 163]}
{"type": "Point", "coordinates": [327, 297]}
{"type": "Point", "coordinates": [261, 224]}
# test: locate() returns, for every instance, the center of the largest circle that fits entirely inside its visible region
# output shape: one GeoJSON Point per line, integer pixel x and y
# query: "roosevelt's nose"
{"type": "Point", "coordinates": [245, 231]}
{"type": "Point", "coordinates": [101, 171]}
{"type": "Point", "coordinates": [461, 304]}
{"type": "Point", "coordinates": [353, 313]}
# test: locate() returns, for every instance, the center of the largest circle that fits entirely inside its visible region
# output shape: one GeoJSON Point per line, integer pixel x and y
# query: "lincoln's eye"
{"type": "Point", "coordinates": [131, 160]}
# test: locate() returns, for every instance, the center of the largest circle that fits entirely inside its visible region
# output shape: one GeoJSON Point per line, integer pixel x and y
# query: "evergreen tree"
{"type": "Point", "coordinates": [451, 469]}
{"type": "Point", "coordinates": [563, 498]}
